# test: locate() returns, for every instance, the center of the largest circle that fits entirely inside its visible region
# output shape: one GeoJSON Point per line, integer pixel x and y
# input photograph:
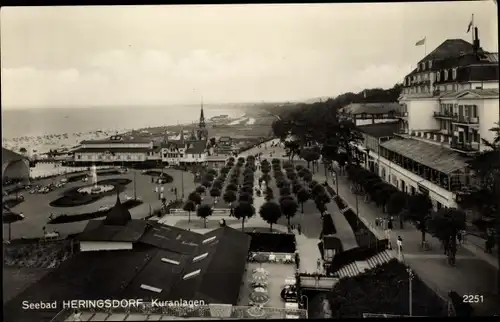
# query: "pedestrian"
{"type": "Point", "coordinates": [400, 247]}
{"type": "Point", "coordinates": [152, 180]}
{"type": "Point", "coordinates": [459, 238]}
{"type": "Point", "coordinates": [390, 224]}
{"type": "Point", "coordinates": [489, 244]}
{"type": "Point", "coordinates": [297, 259]}
{"type": "Point", "coordinates": [77, 315]}
{"type": "Point", "coordinates": [162, 189]}
{"type": "Point", "coordinates": [299, 229]}
{"type": "Point", "coordinates": [161, 196]}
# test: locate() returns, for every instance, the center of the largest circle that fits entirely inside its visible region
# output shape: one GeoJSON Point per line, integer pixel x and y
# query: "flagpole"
{"type": "Point", "coordinates": [425, 46]}
{"type": "Point", "coordinates": [472, 30]}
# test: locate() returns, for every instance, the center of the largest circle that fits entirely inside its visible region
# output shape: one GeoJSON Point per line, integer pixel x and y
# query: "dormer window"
{"type": "Point", "coordinates": [445, 74]}
{"type": "Point", "coordinates": [454, 73]}
{"type": "Point", "coordinates": [438, 76]}
{"type": "Point", "coordinates": [192, 274]}
{"type": "Point", "coordinates": [429, 64]}
{"type": "Point", "coordinates": [423, 66]}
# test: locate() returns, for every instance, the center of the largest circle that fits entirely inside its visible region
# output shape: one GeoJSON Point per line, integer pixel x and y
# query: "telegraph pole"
{"type": "Point", "coordinates": [135, 190]}
{"type": "Point", "coordinates": [410, 295]}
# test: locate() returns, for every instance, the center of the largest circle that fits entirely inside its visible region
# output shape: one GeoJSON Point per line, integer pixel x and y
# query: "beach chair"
{"type": "Point", "coordinates": [272, 258]}
{"type": "Point", "coordinates": [288, 258]}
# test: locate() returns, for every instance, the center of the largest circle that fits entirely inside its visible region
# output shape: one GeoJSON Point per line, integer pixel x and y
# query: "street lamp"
{"type": "Point", "coordinates": [410, 297]}
{"type": "Point", "coordinates": [307, 301]}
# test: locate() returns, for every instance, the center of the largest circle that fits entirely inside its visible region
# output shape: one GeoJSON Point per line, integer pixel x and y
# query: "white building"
{"type": "Point", "coordinates": [372, 113]}
{"type": "Point", "coordinates": [116, 149]}
{"type": "Point", "coordinates": [450, 101]}
{"type": "Point", "coordinates": [184, 151]}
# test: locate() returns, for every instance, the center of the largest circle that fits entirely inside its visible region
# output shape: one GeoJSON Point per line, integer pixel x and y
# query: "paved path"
{"type": "Point", "coordinates": [474, 273]}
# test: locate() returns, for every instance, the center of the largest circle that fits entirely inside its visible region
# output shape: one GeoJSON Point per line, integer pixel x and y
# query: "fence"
{"type": "Point", "coordinates": [215, 212]}
{"type": "Point", "coordinates": [145, 311]}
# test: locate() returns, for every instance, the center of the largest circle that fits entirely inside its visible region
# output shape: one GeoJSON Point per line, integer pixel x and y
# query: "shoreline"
{"type": "Point", "coordinates": [42, 144]}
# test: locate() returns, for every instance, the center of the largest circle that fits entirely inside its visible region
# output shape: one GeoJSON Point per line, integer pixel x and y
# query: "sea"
{"type": "Point", "coordinates": [46, 121]}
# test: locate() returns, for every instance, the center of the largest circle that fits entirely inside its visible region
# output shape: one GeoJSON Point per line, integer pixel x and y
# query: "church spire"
{"type": "Point", "coordinates": [202, 124]}
{"type": "Point", "coordinates": [182, 136]}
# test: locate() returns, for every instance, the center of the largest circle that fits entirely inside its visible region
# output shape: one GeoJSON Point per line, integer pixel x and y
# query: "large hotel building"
{"type": "Point", "coordinates": [448, 105]}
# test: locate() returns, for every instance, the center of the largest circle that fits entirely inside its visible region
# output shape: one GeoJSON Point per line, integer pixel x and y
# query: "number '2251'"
{"type": "Point", "coordinates": [472, 298]}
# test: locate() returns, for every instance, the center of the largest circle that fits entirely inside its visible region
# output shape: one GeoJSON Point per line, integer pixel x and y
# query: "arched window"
{"type": "Point", "coordinates": [445, 74]}
{"type": "Point", "coordinates": [438, 76]}
{"type": "Point", "coordinates": [454, 73]}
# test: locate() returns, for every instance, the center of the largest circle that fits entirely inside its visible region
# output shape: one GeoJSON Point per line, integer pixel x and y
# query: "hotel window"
{"type": "Point", "coordinates": [170, 261]}
{"type": "Point", "coordinates": [129, 157]}
{"type": "Point", "coordinates": [423, 66]}
{"type": "Point", "coordinates": [438, 76]}
{"type": "Point", "coordinates": [118, 157]}
{"type": "Point", "coordinates": [200, 257]}
{"type": "Point", "coordinates": [78, 157]}
{"type": "Point", "coordinates": [430, 63]}
{"type": "Point", "coordinates": [192, 274]}
{"type": "Point", "coordinates": [445, 74]}
{"type": "Point", "coordinates": [454, 73]}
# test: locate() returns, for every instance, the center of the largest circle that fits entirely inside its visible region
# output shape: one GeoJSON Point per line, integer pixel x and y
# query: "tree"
{"type": "Point", "coordinates": [232, 187]}
{"type": "Point", "coordinates": [230, 197]}
{"type": "Point", "coordinates": [397, 202]}
{"type": "Point", "coordinates": [195, 197]}
{"type": "Point", "coordinates": [206, 183]}
{"type": "Point", "coordinates": [215, 193]}
{"type": "Point", "coordinates": [213, 142]}
{"type": "Point", "coordinates": [218, 184]}
{"type": "Point", "coordinates": [320, 205]}
{"type": "Point", "coordinates": [23, 150]}
{"type": "Point", "coordinates": [308, 155]}
{"type": "Point", "coordinates": [203, 212]}
{"type": "Point", "coordinates": [189, 206]}
{"type": "Point", "coordinates": [446, 223]}
{"type": "Point", "coordinates": [284, 190]}
{"type": "Point", "coordinates": [302, 197]}
{"type": "Point", "coordinates": [243, 211]}
{"type": "Point", "coordinates": [270, 212]}
{"type": "Point", "coordinates": [288, 208]}
{"type": "Point", "coordinates": [245, 197]}
{"type": "Point", "coordinates": [200, 189]}
{"type": "Point", "coordinates": [419, 207]}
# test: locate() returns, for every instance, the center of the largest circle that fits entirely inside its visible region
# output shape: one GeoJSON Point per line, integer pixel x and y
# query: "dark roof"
{"type": "Point", "coordinates": [224, 139]}
{"type": "Point", "coordinates": [171, 238]}
{"type": "Point", "coordinates": [112, 150]}
{"type": "Point", "coordinates": [10, 156]}
{"type": "Point", "coordinates": [96, 230]}
{"type": "Point", "coordinates": [195, 147]}
{"type": "Point", "coordinates": [86, 275]}
{"type": "Point", "coordinates": [371, 108]}
{"type": "Point", "coordinates": [119, 274]}
{"type": "Point", "coordinates": [477, 72]}
{"type": "Point", "coordinates": [125, 139]}
{"type": "Point", "coordinates": [221, 272]}
{"type": "Point", "coordinates": [118, 215]}
{"type": "Point", "coordinates": [448, 49]}
{"type": "Point", "coordinates": [379, 130]}
{"type": "Point", "coordinates": [332, 242]}
{"type": "Point", "coordinates": [430, 155]}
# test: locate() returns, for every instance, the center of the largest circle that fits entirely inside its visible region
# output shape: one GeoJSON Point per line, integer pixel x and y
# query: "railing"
{"type": "Point", "coordinates": [200, 312]}
{"type": "Point", "coordinates": [215, 212]}
{"type": "Point", "coordinates": [283, 258]}
{"type": "Point", "coordinates": [443, 114]}
{"type": "Point", "coordinates": [465, 119]}
{"type": "Point", "coordinates": [466, 147]}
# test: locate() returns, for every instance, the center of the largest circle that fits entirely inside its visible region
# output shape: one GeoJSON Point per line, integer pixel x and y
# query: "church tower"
{"type": "Point", "coordinates": [202, 127]}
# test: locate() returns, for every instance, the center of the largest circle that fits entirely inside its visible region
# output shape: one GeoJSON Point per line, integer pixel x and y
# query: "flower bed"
{"type": "Point", "coordinates": [64, 219]}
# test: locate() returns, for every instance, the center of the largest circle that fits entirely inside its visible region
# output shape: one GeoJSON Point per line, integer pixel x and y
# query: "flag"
{"type": "Point", "coordinates": [420, 42]}
{"type": "Point", "coordinates": [470, 24]}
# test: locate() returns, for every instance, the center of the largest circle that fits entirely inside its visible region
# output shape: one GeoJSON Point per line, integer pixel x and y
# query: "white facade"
{"type": "Point", "coordinates": [104, 157]}
{"type": "Point", "coordinates": [178, 156]}
{"type": "Point", "coordinates": [134, 145]}
{"type": "Point", "coordinates": [89, 246]}
{"type": "Point", "coordinates": [421, 113]}
{"type": "Point", "coordinates": [489, 114]}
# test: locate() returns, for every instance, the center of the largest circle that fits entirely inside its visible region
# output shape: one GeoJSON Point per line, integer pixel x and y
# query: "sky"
{"type": "Point", "coordinates": [153, 55]}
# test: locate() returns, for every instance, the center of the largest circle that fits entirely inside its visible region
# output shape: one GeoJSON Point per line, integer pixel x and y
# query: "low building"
{"type": "Point", "coordinates": [116, 149]}
{"type": "Point", "coordinates": [14, 166]}
{"type": "Point", "coordinates": [224, 146]}
{"type": "Point", "coordinates": [122, 258]}
{"type": "Point", "coordinates": [182, 151]}
{"type": "Point", "coordinates": [372, 113]}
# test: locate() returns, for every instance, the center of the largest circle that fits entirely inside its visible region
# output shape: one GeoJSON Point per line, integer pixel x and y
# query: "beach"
{"type": "Point", "coordinates": [39, 130]}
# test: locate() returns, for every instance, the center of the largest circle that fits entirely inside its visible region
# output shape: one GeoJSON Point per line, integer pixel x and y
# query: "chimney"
{"type": "Point", "coordinates": [476, 44]}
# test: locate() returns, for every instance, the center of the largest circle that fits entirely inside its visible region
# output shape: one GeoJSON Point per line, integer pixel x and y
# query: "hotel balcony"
{"type": "Point", "coordinates": [443, 115]}
{"type": "Point", "coordinates": [441, 137]}
{"type": "Point", "coordinates": [465, 120]}
{"type": "Point", "coordinates": [467, 147]}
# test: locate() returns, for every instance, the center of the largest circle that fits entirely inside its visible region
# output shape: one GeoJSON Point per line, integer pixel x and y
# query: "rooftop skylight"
{"type": "Point", "coordinates": [150, 288]}
{"type": "Point", "coordinates": [192, 274]}
{"type": "Point", "coordinates": [168, 260]}
{"type": "Point", "coordinates": [208, 240]}
{"type": "Point", "coordinates": [200, 257]}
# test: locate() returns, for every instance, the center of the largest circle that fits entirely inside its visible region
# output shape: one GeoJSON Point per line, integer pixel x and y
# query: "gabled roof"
{"type": "Point", "coordinates": [430, 155]}
{"type": "Point", "coordinates": [96, 230]}
{"type": "Point", "coordinates": [171, 238]}
{"type": "Point", "coordinates": [472, 93]}
{"type": "Point", "coordinates": [371, 108]}
{"type": "Point", "coordinates": [379, 130]}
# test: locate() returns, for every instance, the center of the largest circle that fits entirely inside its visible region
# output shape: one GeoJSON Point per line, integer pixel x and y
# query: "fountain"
{"type": "Point", "coordinates": [95, 188]}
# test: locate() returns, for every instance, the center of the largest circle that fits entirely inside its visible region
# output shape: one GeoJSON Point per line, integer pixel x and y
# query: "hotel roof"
{"type": "Point", "coordinates": [371, 108]}
{"type": "Point", "coordinates": [10, 156]}
{"type": "Point", "coordinates": [111, 150]}
{"type": "Point", "coordinates": [430, 155]}
{"type": "Point", "coordinates": [124, 139]}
